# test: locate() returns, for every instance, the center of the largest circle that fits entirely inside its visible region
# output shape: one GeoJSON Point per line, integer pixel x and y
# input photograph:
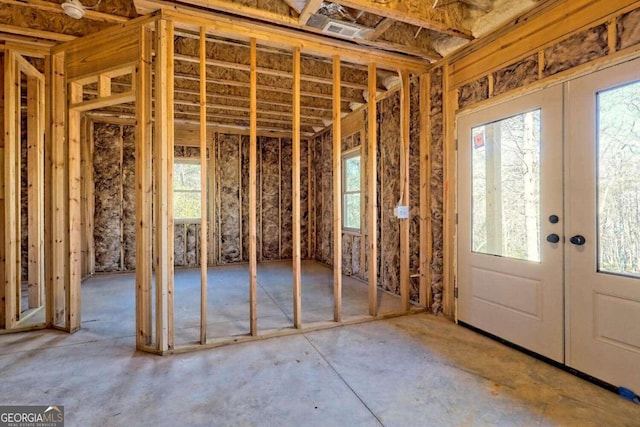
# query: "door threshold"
{"type": "Point", "coordinates": [593, 380]}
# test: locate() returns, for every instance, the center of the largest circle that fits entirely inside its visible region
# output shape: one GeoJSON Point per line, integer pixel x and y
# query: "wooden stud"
{"type": "Point", "coordinates": [203, 186]}
{"type": "Point", "coordinates": [337, 194]}
{"type": "Point", "coordinates": [163, 144]}
{"type": "Point", "coordinates": [279, 197]}
{"type": "Point", "coordinates": [540, 65]}
{"type": "Point", "coordinates": [240, 195]}
{"type": "Point", "coordinates": [449, 202]}
{"type": "Point", "coordinates": [425, 192]}
{"type": "Point", "coordinates": [372, 193]}
{"type": "Point", "coordinates": [218, 201]}
{"type": "Point", "coordinates": [74, 172]}
{"type": "Point", "coordinates": [612, 35]}
{"type": "Point", "coordinates": [121, 205]}
{"type": "Point", "coordinates": [170, 151]}
{"type": "Point", "coordinates": [144, 192]}
{"type": "Point", "coordinates": [104, 86]}
{"type": "Point", "coordinates": [309, 201]}
{"type": "Point", "coordinates": [11, 135]}
{"type": "Point", "coordinates": [212, 198]}
{"type": "Point", "coordinates": [295, 170]}
{"type": "Point", "coordinates": [58, 191]}
{"type": "Point", "coordinates": [253, 262]}
{"type": "Point", "coordinates": [2, 205]}
{"type": "Point", "coordinates": [17, 191]}
{"type": "Point", "coordinates": [405, 102]}
{"type": "Point", "coordinates": [35, 156]}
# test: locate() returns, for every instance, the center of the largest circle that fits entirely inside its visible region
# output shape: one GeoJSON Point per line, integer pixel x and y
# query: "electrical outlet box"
{"type": "Point", "coordinates": [402, 212]}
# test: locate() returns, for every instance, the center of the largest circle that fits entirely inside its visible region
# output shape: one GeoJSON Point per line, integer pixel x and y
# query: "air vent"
{"type": "Point", "coordinates": [341, 29]}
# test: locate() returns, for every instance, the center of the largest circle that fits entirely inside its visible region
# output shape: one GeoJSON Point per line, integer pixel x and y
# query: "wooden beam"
{"type": "Point", "coordinates": [55, 8]}
{"type": "Point", "coordinates": [74, 171]}
{"type": "Point", "coordinates": [449, 201]}
{"type": "Point", "coordinates": [337, 194]}
{"type": "Point", "coordinates": [59, 189]}
{"type": "Point", "coordinates": [425, 192]}
{"type": "Point", "coordinates": [272, 35]}
{"type": "Point", "coordinates": [295, 170]}
{"type": "Point", "coordinates": [253, 247]}
{"type": "Point", "coordinates": [35, 196]}
{"type": "Point", "coordinates": [309, 9]}
{"type": "Point", "coordinates": [420, 14]}
{"type": "Point", "coordinates": [2, 191]}
{"type": "Point", "coordinates": [46, 35]}
{"type": "Point", "coordinates": [11, 190]}
{"type": "Point", "coordinates": [162, 145]}
{"type": "Point", "coordinates": [405, 116]}
{"type": "Point", "coordinates": [203, 186]}
{"type": "Point", "coordinates": [95, 104]}
{"type": "Point", "coordinates": [144, 192]}
{"type": "Point", "coordinates": [382, 26]}
{"type": "Point", "coordinates": [372, 193]}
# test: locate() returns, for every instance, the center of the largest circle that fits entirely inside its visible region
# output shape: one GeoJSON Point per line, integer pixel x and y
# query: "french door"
{"type": "Point", "coordinates": [510, 264]}
{"type": "Point", "coordinates": [549, 223]}
{"type": "Point", "coordinates": [602, 203]}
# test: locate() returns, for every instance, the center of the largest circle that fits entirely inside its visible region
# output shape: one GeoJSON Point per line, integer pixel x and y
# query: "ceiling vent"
{"type": "Point", "coordinates": [339, 28]}
{"type": "Point", "coordinates": [334, 27]}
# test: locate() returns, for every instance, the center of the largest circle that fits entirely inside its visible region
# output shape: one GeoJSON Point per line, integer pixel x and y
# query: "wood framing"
{"type": "Point", "coordinates": [295, 170]}
{"type": "Point", "coordinates": [11, 190]}
{"type": "Point", "coordinates": [426, 246]}
{"type": "Point", "coordinates": [74, 171]}
{"type": "Point", "coordinates": [163, 153]}
{"type": "Point", "coordinates": [372, 195]}
{"type": "Point", "coordinates": [337, 193]}
{"type": "Point", "coordinates": [203, 187]}
{"type": "Point", "coordinates": [144, 192]}
{"type": "Point", "coordinates": [253, 244]}
{"type": "Point", "coordinates": [405, 136]}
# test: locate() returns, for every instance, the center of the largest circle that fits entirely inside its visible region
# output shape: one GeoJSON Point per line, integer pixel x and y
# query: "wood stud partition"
{"type": "Point", "coordinates": [89, 79]}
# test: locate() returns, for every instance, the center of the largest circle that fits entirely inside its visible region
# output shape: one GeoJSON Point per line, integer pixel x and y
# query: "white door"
{"type": "Point", "coordinates": [510, 253]}
{"type": "Point", "coordinates": [603, 218]}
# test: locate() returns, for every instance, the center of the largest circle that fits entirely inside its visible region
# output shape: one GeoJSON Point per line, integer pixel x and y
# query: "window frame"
{"type": "Point", "coordinates": [189, 161]}
{"type": "Point", "coordinates": [346, 155]}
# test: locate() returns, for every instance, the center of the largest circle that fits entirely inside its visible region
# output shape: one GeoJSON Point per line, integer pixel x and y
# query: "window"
{"type": "Point", "coordinates": [506, 187]}
{"type": "Point", "coordinates": [351, 190]}
{"type": "Point", "coordinates": [186, 190]}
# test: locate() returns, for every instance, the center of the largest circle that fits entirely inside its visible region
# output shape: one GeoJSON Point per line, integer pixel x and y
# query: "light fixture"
{"type": "Point", "coordinates": [73, 9]}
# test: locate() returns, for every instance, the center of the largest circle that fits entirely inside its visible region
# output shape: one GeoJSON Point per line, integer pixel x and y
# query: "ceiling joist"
{"type": "Point", "coordinates": [420, 14]}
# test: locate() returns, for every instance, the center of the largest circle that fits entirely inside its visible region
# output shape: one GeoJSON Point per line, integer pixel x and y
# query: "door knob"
{"type": "Point", "coordinates": [578, 240]}
{"type": "Point", "coordinates": [553, 238]}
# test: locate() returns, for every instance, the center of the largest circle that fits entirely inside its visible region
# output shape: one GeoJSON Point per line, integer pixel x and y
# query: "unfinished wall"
{"type": "Point", "coordinates": [114, 218]}
{"type": "Point", "coordinates": [436, 142]}
{"type": "Point", "coordinates": [108, 180]}
{"type": "Point", "coordinates": [355, 260]}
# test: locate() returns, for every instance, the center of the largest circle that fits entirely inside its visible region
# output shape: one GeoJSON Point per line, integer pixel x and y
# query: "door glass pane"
{"type": "Point", "coordinates": [506, 187]}
{"type": "Point", "coordinates": [619, 180]}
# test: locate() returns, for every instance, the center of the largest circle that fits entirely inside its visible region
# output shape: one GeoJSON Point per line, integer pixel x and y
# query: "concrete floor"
{"type": "Point", "coordinates": [412, 370]}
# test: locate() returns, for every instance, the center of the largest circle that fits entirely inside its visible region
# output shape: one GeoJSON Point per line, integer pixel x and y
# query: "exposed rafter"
{"type": "Point", "coordinates": [420, 14]}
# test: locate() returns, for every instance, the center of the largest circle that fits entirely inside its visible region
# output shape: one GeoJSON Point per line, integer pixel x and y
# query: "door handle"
{"type": "Point", "coordinates": [553, 238]}
{"type": "Point", "coordinates": [578, 240]}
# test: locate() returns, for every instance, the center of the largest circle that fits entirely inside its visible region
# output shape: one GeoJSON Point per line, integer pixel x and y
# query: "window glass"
{"type": "Point", "coordinates": [186, 190]}
{"type": "Point", "coordinates": [619, 180]}
{"type": "Point", "coordinates": [351, 200]}
{"type": "Point", "coordinates": [506, 187]}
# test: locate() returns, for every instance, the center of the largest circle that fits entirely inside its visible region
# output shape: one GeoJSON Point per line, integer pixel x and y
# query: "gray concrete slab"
{"type": "Point", "coordinates": [415, 370]}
